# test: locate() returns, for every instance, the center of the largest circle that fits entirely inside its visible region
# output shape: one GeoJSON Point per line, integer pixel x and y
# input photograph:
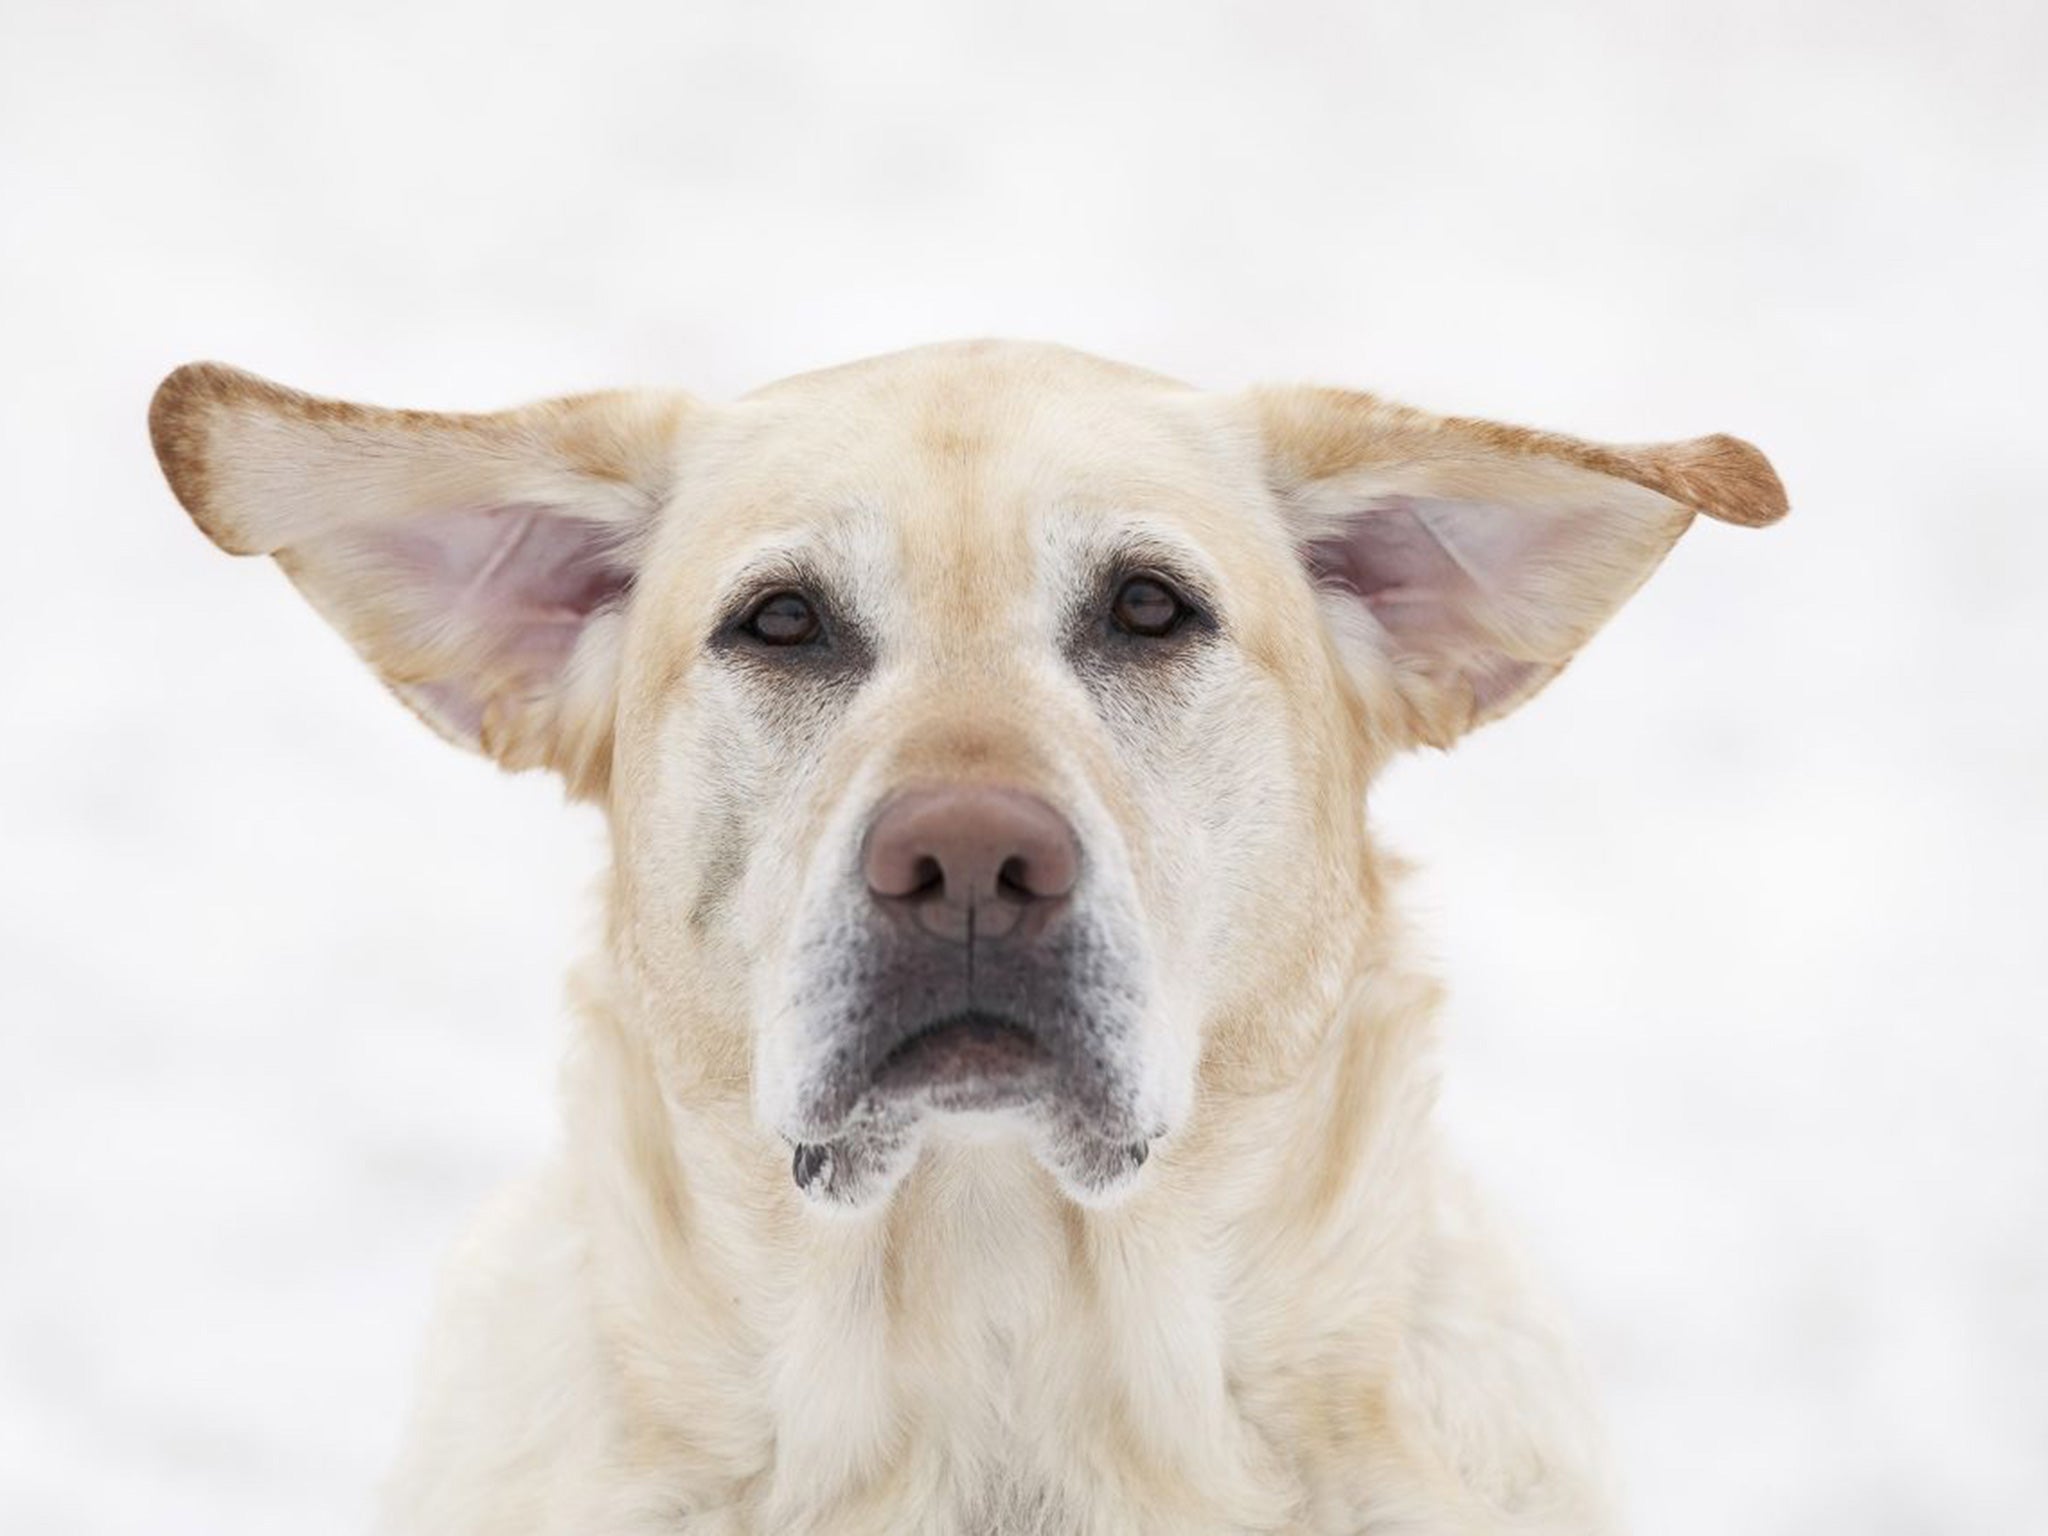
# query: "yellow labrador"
{"type": "Point", "coordinates": [1002, 1101]}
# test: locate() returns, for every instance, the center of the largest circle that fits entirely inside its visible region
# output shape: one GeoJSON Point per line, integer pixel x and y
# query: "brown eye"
{"type": "Point", "coordinates": [785, 618]}
{"type": "Point", "coordinates": [1145, 606]}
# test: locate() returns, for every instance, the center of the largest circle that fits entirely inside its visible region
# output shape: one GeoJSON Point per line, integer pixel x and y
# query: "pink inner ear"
{"type": "Point", "coordinates": [1433, 573]}
{"type": "Point", "coordinates": [1416, 586]}
{"type": "Point", "coordinates": [508, 588]}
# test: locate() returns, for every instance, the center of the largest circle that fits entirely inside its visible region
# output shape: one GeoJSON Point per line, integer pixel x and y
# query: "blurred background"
{"type": "Point", "coordinates": [1743, 918]}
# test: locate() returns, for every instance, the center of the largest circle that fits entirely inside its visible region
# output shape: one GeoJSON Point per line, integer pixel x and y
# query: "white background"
{"type": "Point", "coordinates": [1743, 918]}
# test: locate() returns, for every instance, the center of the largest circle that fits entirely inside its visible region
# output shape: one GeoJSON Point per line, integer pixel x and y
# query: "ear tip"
{"type": "Point", "coordinates": [180, 430]}
{"type": "Point", "coordinates": [1729, 479]}
{"type": "Point", "coordinates": [191, 388]}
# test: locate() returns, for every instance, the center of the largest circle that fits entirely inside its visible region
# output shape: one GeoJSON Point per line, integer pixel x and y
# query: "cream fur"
{"type": "Point", "coordinates": [1296, 1320]}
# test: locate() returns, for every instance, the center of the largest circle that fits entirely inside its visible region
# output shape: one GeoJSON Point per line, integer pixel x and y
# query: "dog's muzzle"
{"type": "Point", "coordinates": [977, 984]}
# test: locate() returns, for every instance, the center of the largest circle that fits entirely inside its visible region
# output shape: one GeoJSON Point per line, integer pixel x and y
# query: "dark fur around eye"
{"type": "Point", "coordinates": [791, 625]}
{"type": "Point", "coordinates": [1141, 615]}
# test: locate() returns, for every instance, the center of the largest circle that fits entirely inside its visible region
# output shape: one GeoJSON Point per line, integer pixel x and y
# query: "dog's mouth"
{"type": "Point", "coordinates": [967, 1063]}
{"type": "Point", "coordinates": [1035, 1051]}
{"type": "Point", "coordinates": [966, 1060]}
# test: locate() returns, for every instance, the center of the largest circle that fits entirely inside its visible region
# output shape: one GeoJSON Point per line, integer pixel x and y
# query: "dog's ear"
{"type": "Point", "coordinates": [478, 563]}
{"type": "Point", "coordinates": [1471, 559]}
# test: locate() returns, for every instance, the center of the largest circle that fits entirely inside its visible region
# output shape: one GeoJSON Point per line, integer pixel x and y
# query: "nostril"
{"type": "Point", "coordinates": [1014, 880]}
{"type": "Point", "coordinates": [927, 878]}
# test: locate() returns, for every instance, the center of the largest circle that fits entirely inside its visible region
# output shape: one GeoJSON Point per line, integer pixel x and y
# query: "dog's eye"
{"type": "Point", "coordinates": [1147, 606]}
{"type": "Point", "coordinates": [783, 618]}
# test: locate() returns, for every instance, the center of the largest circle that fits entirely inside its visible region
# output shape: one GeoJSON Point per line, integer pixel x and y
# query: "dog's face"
{"type": "Point", "coordinates": [984, 729]}
{"type": "Point", "coordinates": [972, 703]}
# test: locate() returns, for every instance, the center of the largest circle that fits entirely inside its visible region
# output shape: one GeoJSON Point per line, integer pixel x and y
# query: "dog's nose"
{"type": "Point", "coordinates": [971, 863]}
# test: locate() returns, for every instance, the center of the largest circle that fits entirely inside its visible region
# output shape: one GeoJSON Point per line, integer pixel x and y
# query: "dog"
{"type": "Point", "coordinates": [1001, 1101]}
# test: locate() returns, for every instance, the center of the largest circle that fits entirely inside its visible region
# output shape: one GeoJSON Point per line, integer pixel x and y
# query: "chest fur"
{"type": "Point", "coordinates": [1001, 1365]}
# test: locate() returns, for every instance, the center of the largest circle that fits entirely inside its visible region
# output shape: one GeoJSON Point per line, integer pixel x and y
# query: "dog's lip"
{"type": "Point", "coordinates": [962, 1049]}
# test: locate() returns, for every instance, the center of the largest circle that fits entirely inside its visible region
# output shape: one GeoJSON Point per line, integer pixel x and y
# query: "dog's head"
{"type": "Point", "coordinates": [985, 728]}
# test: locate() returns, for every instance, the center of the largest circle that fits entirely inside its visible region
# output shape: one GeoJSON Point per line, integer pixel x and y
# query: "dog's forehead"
{"type": "Point", "coordinates": [962, 453]}
{"type": "Point", "coordinates": [989, 361]}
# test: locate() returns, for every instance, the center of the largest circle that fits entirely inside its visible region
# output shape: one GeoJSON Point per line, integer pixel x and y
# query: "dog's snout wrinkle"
{"type": "Point", "coordinates": [971, 864]}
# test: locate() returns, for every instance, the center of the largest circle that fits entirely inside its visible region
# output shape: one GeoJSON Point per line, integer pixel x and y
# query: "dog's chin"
{"type": "Point", "coordinates": [974, 1068]}
{"type": "Point", "coordinates": [860, 1170]}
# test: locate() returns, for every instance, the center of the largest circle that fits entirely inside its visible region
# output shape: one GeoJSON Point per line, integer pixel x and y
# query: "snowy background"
{"type": "Point", "coordinates": [1744, 918]}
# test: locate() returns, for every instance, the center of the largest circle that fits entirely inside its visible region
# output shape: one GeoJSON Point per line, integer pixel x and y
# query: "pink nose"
{"type": "Point", "coordinates": [971, 863]}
